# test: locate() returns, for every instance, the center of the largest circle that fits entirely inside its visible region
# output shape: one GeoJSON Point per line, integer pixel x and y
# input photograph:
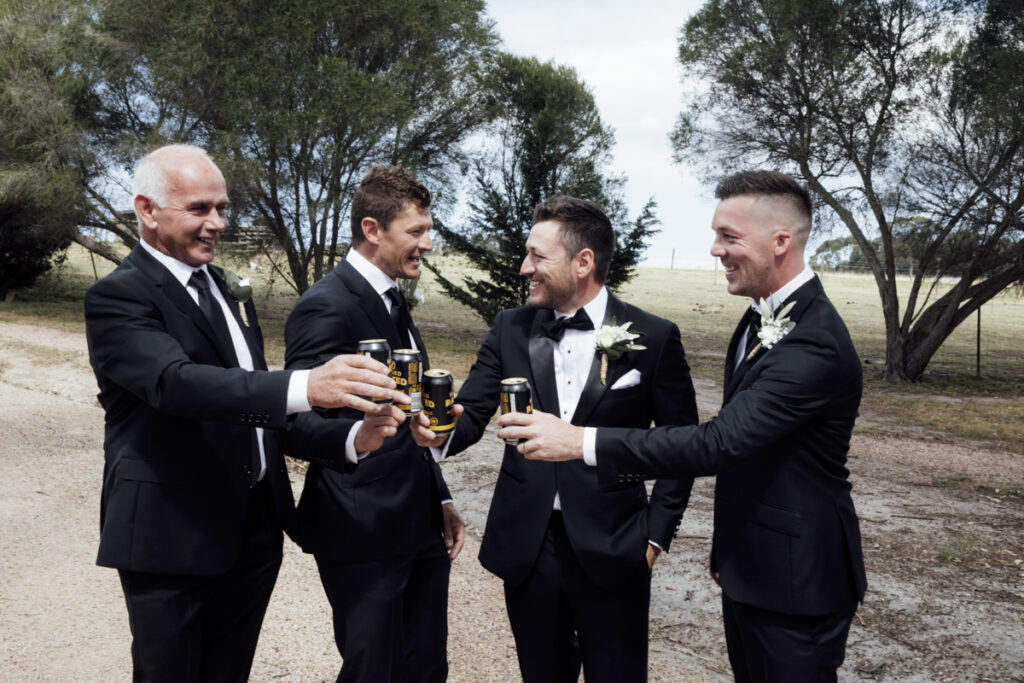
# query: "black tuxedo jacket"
{"type": "Point", "coordinates": [388, 503]}
{"type": "Point", "coordinates": [608, 529]}
{"type": "Point", "coordinates": [180, 415]}
{"type": "Point", "coordinates": [786, 533]}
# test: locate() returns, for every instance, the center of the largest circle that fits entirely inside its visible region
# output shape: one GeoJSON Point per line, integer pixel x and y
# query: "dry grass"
{"type": "Point", "coordinates": [949, 401]}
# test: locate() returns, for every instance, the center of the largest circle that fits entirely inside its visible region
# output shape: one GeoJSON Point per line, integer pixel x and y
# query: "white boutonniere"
{"type": "Point", "coordinates": [774, 326]}
{"type": "Point", "coordinates": [611, 341]}
{"type": "Point", "coordinates": [241, 290]}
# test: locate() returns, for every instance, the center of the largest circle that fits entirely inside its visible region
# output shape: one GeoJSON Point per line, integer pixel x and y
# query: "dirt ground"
{"type": "Point", "coordinates": [945, 556]}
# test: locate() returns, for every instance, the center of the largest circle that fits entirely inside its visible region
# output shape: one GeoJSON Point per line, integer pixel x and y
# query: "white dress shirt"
{"type": "Point", "coordinates": [297, 383]}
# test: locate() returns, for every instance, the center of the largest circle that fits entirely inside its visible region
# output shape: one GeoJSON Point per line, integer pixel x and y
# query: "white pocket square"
{"type": "Point", "coordinates": [630, 379]}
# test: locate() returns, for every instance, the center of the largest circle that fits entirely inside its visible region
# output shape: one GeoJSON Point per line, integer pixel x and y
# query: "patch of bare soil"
{"type": "Point", "coordinates": [945, 599]}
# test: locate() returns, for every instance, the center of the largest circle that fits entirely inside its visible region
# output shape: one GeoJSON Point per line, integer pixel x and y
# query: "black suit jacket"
{"type": "Point", "coordinates": [180, 415]}
{"type": "Point", "coordinates": [388, 504]}
{"type": "Point", "coordinates": [786, 533]}
{"type": "Point", "coordinates": [609, 529]}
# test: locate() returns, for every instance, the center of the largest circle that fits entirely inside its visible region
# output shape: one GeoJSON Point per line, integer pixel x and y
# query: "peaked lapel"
{"type": "Point", "coordinates": [593, 390]}
{"type": "Point", "coordinates": [803, 297]}
{"type": "Point", "coordinates": [542, 364]}
{"type": "Point", "coordinates": [179, 296]}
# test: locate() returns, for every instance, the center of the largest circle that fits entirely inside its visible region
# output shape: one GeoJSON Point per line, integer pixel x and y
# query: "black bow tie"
{"type": "Point", "coordinates": [556, 328]}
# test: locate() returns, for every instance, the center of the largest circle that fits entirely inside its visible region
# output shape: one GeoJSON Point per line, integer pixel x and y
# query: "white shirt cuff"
{"type": "Point", "coordinates": [298, 384]}
{"type": "Point", "coordinates": [439, 453]}
{"type": "Point", "coordinates": [655, 545]}
{"type": "Point", "coordinates": [448, 501]}
{"type": "Point", "coordinates": [590, 446]}
{"type": "Point", "coordinates": [350, 445]}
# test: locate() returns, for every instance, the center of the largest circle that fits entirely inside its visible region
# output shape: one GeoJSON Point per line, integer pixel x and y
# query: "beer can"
{"type": "Point", "coordinates": [379, 350]}
{"type": "Point", "coordinates": [439, 400]}
{"type": "Point", "coordinates": [516, 397]}
{"type": "Point", "coordinates": [407, 371]}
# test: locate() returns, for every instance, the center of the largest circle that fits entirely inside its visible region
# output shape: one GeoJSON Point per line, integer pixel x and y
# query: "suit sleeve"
{"type": "Point", "coordinates": [794, 384]}
{"type": "Point", "coordinates": [674, 404]}
{"type": "Point", "coordinates": [479, 395]}
{"type": "Point", "coordinates": [314, 333]}
{"type": "Point", "coordinates": [130, 345]}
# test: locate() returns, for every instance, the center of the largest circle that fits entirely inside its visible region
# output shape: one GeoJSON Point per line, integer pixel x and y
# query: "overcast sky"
{"type": "Point", "coordinates": [626, 54]}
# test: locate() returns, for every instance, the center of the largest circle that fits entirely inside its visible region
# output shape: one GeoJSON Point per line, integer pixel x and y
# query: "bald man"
{"type": "Point", "coordinates": [786, 548]}
{"type": "Point", "coordinates": [195, 493]}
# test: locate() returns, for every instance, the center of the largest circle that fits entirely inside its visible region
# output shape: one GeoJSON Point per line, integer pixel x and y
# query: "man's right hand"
{"type": "Point", "coordinates": [346, 381]}
{"type": "Point", "coordinates": [419, 425]}
{"type": "Point", "coordinates": [376, 428]}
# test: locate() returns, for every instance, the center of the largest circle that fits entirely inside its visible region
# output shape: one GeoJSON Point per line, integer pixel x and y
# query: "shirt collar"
{"type": "Point", "coordinates": [595, 308]}
{"type": "Point", "coordinates": [181, 271]}
{"type": "Point", "coordinates": [374, 275]}
{"type": "Point", "coordinates": [784, 292]}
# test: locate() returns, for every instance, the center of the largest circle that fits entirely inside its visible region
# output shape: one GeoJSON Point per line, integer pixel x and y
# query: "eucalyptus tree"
{"type": "Point", "coordinates": [905, 119]}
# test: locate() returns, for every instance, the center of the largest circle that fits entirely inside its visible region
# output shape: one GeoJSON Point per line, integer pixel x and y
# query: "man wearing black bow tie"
{"type": "Point", "coordinates": [378, 522]}
{"type": "Point", "coordinates": [195, 493]}
{"type": "Point", "coordinates": [576, 559]}
{"type": "Point", "coordinates": [787, 549]}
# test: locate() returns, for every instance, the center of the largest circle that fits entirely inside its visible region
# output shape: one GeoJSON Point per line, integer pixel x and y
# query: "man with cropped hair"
{"type": "Point", "coordinates": [576, 559]}
{"type": "Point", "coordinates": [786, 549]}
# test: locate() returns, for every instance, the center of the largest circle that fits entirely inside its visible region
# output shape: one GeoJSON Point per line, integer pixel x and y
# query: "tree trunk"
{"type": "Point", "coordinates": [97, 248]}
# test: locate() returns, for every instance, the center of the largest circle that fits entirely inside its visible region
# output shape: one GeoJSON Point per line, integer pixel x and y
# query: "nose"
{"type": "Point", "coordinates": [426, 243]}
{"type": "Point", "coordinates": [527, 266]}
{"type": "Point", "coordinates": [717, 250]}
{"type": "Point", "coordinates": [216, 219]}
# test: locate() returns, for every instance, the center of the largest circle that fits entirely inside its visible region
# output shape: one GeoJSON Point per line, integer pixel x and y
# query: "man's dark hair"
{"type": "Point", "coordinates": [582, 226]}
{"type": "Point", "coordinates": [383, 194]}
{"type": "Point", "coordinates": [769, 183]}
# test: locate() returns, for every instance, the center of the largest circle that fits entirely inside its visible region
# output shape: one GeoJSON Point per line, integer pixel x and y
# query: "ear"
{"type": "Point", "coordinates": [372, 230]}
{"type": "Point", "coordinates": [782, 242]}
{"type": "Point", "coordinates": [583, 263]}
{"type": "Point", "coordinates": [144, 207]}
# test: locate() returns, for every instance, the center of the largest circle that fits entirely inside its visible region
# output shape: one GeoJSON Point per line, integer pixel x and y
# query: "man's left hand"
{"type": "Point", "coordinates": [548, 438]}
{"type": "Point", "coordinates": [454, 531]}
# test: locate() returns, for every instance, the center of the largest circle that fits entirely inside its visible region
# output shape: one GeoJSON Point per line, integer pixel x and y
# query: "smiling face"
{"type": "Point", "coordinates": [189, 224]}
{"type": "Point", "coordinates": [747, 239]}
{"type": "Point", "coordinates": [400, 245]}
{"type": "Point", "coordinates": [549, 269]}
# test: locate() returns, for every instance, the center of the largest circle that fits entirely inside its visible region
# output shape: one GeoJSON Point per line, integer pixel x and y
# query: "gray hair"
{"type": "Point", "coordinates": [150, 177]}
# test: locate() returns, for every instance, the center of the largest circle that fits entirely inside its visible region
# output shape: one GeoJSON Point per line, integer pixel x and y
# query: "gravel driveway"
{"type": "Point", "coordinates": [930, 614]}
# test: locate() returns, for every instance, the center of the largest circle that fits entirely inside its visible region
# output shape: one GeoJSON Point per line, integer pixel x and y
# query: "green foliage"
{"type": "Point", "coordinates": [552, 141]}
{"type": "Point", "coordinates": [905, 119]}
{"type": "Point", "coordinates": [43, 157]}
{"type": "Point", "coordinates": [298, 99]}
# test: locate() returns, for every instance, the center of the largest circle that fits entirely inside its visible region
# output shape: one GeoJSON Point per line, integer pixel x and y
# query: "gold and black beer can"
{"type": "Point", "coordinates": [516, 397]}
{"type": "Point", "coordinates": [439, 400]}
{"type": "Point", "coordinates": [407, 371]}
{"type": "Point", "coordinates": [379, 350]}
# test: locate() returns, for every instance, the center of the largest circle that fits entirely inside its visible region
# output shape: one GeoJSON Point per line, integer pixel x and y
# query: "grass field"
{"type": "Point", "coordinates": [949, 401]}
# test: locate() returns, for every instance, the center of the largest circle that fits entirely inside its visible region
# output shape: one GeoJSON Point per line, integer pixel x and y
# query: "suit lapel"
{"type": "Point", "coordinates": [542, 364]}
{"type": "Point", "coordinates": [734, 372]}
{"type": "Point", "coordinates": [593, 390]}
{"type": "Point", "coordinates": [371, 303]}
{"type": "Point", "coordinates": [802, 296]}
{"type": "Point", "coordinates": [179, 296]}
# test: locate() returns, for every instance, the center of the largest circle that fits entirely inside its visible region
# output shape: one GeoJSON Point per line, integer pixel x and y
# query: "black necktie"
{"type": "Point", "coordinates": [215, 315]}
{"type": "Point", "coordinates": [400, 315]}
{"type": "Point", "coordinates": [212, 311]}
{"type": "Point", "coordinates": [556, 328]}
